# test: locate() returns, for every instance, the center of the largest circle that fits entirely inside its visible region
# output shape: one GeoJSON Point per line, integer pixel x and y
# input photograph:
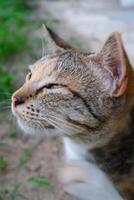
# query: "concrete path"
{"type": "Point", "coordinates": [94, 20]}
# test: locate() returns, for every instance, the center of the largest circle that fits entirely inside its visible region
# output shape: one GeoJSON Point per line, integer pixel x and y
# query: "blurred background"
{"type": "Point", "coordinates": [28, 164]}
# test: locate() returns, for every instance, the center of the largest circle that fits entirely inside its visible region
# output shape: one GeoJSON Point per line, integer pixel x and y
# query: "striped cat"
{"type": "Point", "coordinates": [88, 100]}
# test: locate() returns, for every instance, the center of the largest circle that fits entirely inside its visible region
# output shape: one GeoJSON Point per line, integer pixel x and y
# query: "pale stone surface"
{"type": "Point", "coordinates": [93, 21]}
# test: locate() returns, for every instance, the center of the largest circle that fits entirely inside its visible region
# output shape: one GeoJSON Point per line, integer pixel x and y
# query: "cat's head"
{"type": "Point", "coordinates": [73, 93]}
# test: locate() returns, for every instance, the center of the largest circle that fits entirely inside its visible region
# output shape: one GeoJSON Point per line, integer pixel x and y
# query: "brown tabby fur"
{"type": "Point", "coordinates": [89, 98]}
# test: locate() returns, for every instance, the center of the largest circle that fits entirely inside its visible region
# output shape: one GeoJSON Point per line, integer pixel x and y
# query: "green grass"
{"type": "Point", "coordinates": [6, 88]}
{"type": "Point", "coordinates": [13, 135]}
{"type": "Point", "coordinates": [12, 193]}
{"type": "Point", "coordinates": [13, 40]}
{"type": "Point", "coordinates": [38, 181]}
{"type": "Point", "coordinates": [13, 37]}
{"type": "Point", "coordinates": [3, 162]}
{"type": "Point", "coordinates": [16, 27]}
{"type": "Point", "coordinates": [24, 156]}
{"type": "Point", "coordinates": [16, 36]}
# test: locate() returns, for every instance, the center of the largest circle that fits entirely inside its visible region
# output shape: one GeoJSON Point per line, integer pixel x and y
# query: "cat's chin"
{"type": "Point", "coordinates": [29, 130]}
{"type": "Point", "coordinates": [26, 128]}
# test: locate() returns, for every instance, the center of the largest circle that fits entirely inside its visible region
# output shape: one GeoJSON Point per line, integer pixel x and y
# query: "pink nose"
{"type": "Point", "coordinates": [17, 100]}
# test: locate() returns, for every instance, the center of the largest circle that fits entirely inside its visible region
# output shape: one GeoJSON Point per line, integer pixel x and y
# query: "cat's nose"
{"type": "Point", "coordinates": [17, 100]}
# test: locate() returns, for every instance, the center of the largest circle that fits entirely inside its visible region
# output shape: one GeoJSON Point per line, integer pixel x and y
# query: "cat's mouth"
{"type": "Point", "coordinates": [30, 122]}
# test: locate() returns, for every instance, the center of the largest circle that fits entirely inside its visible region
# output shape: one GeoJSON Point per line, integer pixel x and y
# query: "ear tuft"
{"type": "Point", "coordinates": [113, 60]}
{"type": "Point", "coordinates": [51, 46]}
{"type": "Point", "coordinates": [54, 42]}
{"type": "Point", "coordinates": [58, 40]}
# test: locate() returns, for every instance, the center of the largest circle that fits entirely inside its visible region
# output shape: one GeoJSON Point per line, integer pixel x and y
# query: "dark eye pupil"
{"type": "Point", "coordinates": [29, 76]}
{"type": "Point", "coordinates": [49, 86]}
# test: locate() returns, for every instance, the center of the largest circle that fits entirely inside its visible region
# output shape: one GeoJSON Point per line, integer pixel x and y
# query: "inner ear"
{"type": "Point", "coordinates": [55, 39]}
{"type": "Point", "coordinates": [113, 60]}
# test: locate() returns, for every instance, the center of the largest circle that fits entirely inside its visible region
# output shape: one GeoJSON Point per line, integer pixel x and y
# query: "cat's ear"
{"type": "Point", "coordinates": [113, 59]}
{"type": "Point", "coordinates": [54, 42]}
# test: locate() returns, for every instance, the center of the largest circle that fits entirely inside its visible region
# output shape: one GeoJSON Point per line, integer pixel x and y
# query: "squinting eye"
{"type": "Point", "coordinates": [28, 77]}
{"type": "Point", "coordinates": [50, 86]}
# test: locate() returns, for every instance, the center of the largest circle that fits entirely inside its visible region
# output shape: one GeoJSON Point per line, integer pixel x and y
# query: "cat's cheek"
{"type": "Point", "coordinates": [25, 128]}
{"type": "Point", "coordinates": [29, 130]}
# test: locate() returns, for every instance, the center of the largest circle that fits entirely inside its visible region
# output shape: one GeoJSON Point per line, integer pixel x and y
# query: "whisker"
{"type": "Point", "coordinates": [47, 120]}
{"type": "Point", "coordinates": [44, 118]}
{"type": "Point", "coordinates": [66, 122]}
{"type": "Point", "coordinates": [52, 122]}
{"type": "Point", "coordinates": [63, 124]}
{"type": "Point", "coordinates": [40, 125]}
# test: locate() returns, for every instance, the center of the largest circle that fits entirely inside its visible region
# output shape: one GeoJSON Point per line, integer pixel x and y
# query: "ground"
{"type": "Point", "coordinates": [84, 23]}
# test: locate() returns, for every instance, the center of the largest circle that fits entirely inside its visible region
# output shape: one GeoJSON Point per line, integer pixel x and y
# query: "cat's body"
{"type": "Point", "coordinates": [87, 99]}
{"type": "Point", "coordinates": [115, 158]}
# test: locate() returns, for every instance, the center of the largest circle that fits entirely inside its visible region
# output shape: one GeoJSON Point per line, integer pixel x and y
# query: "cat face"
{"type": "Point", "coordinates": [52, 97]}
{"type": "Point", "coordinates": [72, 93]}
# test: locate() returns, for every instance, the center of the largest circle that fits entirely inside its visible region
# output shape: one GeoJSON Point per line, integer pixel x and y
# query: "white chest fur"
{"type": "Point", "coordinates": [75, 151]}
{"type": "Point", "coordinates": [93, 183]}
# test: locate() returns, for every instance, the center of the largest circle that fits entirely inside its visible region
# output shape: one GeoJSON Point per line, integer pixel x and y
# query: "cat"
{"type": "Point", "coordinates": [88, 100]}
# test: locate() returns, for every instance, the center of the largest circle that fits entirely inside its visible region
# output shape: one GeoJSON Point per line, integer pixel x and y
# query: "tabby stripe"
{"type": "Point", "coordinates": [75, 94]}
{"type": "Point", "coordinates": [87, 106]}
{"type": "Point", "coordinates": [84, 125]}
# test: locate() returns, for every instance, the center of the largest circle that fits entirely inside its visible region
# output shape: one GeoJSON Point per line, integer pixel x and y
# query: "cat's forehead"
{"type": "Point", "coordinates": [67, 64]}
{"type": "Point", "coordinates": [43, 66]}
{"type": "Point", "coordinates": [49, 63]}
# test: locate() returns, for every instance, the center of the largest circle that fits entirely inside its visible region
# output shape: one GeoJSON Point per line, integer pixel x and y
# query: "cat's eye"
{"type": "Point", "coordinates": [49, 86]}
{"type": "Point", "coordinates": [28, 77]}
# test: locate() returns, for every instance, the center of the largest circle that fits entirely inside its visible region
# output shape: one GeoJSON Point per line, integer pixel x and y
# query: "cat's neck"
{"type": "Point", "coordinates": [76, 151]}
{"type": "Point", "coordinates": [116, 157]}
{"type": "Point", "coordinates": [123, 138]}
